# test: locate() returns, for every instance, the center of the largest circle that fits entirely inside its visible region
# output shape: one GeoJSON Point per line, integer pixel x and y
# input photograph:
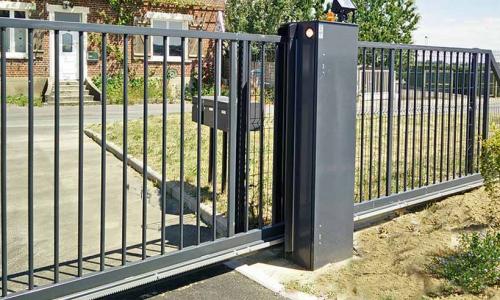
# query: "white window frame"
{"type": "Point", "coordinates": [12, 7]}
{"type": "Point", "coordinates": [168, 17]}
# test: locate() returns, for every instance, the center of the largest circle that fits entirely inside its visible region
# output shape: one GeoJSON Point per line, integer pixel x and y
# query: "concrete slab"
{"type": "Point", "coordinates": [270, 269]}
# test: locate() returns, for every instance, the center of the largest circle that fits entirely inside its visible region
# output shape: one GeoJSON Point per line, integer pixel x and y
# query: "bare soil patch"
{"type": "Point", "coordinates": [391, 259]}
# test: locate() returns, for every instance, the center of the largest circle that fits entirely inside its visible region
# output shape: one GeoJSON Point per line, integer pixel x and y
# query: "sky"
{"type": "Point", "coordinates": [459, 23]}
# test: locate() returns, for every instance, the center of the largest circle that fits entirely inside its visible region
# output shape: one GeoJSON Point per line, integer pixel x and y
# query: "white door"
{"type": "Point", "coordinates": [68, 47]}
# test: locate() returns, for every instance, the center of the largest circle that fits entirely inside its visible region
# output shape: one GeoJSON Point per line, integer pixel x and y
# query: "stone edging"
{"type": "Point", "coordinates": [172, 189]}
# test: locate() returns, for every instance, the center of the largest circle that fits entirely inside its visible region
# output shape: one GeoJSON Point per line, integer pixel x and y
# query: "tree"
{"type": "Point", "coordinates": [388, 21]}
{"type": "Point", "coordinates": [265, 16]}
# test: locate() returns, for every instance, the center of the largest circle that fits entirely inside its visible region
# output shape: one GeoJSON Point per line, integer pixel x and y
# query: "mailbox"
{"type": "Point", "coordinates": [207, 113]}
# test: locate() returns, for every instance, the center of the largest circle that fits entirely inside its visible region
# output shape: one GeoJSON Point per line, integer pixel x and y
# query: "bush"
{"type": "Point", "coordinates": [475, 265]}
{"type": "Point", "coordinates": [22, 100]}
{"type": "Point", "coordinates": [136, 89]}
{"type": "Point", "coordinates": [490, 163]}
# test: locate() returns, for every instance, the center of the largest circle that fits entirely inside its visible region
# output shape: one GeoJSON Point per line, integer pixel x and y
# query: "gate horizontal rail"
{"type": "Point", "coordinates": [240, 157]}
{"type": "Point", "coordinates": [421, 125]}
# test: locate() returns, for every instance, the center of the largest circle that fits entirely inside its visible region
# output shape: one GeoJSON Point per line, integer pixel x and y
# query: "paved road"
{"type": "Point", "coordinates": [216, 282]}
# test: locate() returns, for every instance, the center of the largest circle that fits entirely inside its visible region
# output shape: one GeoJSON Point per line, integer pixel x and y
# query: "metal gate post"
{"type": "Point", "coordinates": [319, 140]}
{"type": "Point", "coordinates": [278, 145]}
{"type": "Point", "coordinates": [241, 142]}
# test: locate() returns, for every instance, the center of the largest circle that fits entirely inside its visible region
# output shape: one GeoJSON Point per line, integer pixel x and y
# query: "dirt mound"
{"type": "Point", "coordinates": [392, 258]}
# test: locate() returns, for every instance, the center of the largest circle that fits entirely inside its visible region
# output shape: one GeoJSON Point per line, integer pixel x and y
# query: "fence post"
{"type": "Point", "coordinates": [471, 117]}
{"type": "Point", "coordinates": [241, 142]}
{"type": "Point", "coordinates": [319, 137]}
{"type": "Point", "coordinates": [278, 173]}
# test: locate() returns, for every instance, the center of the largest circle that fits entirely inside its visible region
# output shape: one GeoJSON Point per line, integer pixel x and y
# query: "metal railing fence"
{"type": "Point", "coordinates": [428, 129]}
{"type": "Point", "coordinates": [206, 219]}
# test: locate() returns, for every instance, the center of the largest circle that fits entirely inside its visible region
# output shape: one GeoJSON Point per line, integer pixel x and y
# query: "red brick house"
{"type": "Point", "coordinates": [155, 13]}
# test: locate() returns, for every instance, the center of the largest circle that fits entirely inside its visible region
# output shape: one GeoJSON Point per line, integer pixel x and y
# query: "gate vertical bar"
{"type": "Point", "coordinates": [125, 150]}
{"type": "Point", "coordinates": [450, 97]}
{"type": "Point", "coordinates": [241, 196]}
{"type": "Point", "coordinates": [198, 142]}
{"type": "Point", "coordinates": [414, 131]}
{"type": "Point", "coordinates": [398, 126]}
{"type": "Point", "coordinates": [261, 135]}
{"type": "Point", "coordinates": [479, 90]}
{"type": "Point", "coordinates": [3, 161]}
{"type": "Point", "coordinates": [443, 99]}
{"type": "Point", "coordinates": [460, 145]}
{"type": "Point", "coordinates": [30, 159]}
{"type": "Point", "coordinates": [421, 135]}
{"type": "Point", "coordinates": [103, 151]}
{"type": "Point", "coordinates": [247, 132]}
{"type": "Point", "coordinates": [362, 153]}
{"type": "Point", "coordinates": [380, 124]}
{"type": "Point", "coordinates": [80, 150]}
{"type": "Point", "coordinates": [183, 103]}
{"type": "Point", "coordinates": [145, 149]}
{"type": "Point", "coordinates": [372, 115]}
{"type": "Point", "coordinates": [390, 112]}
{"type": "Point", "coordinates": [486, 94]}
{"type": "Point", "coordinates": [435, 131]}
{"type": "Point", "coordinates": [164, 147]}
{"type": "Point", "coordinates": [407, 119]}
{"type": "Point", "coordinates": [233, 107]}
{"type": "Point", "coordinates": [455, 117]}
{"type": "Point", "coordinates": [214, 141]}
{"type": "Point", "coordinates": [56, 158]}
{"type": "Point", "coordinates": [471, 115]}
{"type": "Point", "coordinates": [427, 175]}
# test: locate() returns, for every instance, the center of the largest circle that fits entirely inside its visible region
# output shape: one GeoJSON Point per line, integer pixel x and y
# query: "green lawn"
{"type": "Point", "coordinates": [413, 162]}
{"type": "Point", "coordinates": [173, 157]}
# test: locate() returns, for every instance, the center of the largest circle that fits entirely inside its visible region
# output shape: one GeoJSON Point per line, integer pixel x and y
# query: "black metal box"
{"type": "Point", "coordinates": [207, 113]}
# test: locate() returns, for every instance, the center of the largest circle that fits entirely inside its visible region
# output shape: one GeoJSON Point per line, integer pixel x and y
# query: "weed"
{"type": "Point", "coordinates": [474, 266]}
{"type": "Point", "coordinates": [22, 100]}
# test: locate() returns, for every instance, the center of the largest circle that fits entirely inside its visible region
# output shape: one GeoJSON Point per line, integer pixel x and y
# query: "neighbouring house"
{"type": "Point", "coordinates": [193, 14]}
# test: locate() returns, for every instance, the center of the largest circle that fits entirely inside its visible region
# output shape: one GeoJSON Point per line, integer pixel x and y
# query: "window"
{"type": "Point", "coordinates": [16, 38]}
{"type": "Point", "coordinates": [174, 44]}
{"type": "Point", "coordinates": [67, 42]}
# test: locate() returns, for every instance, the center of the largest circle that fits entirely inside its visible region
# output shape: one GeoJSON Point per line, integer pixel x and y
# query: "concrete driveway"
{"type": "Point", "coordinates": [215, 282]}
{"type": "Point", "coordinates": [17, 189]}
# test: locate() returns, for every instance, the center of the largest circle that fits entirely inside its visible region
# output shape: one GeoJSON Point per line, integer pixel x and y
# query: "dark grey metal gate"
{"type": "Point", "coordinates": [244, 222]}
{"type": "Point", "coordinates": [420, 114]}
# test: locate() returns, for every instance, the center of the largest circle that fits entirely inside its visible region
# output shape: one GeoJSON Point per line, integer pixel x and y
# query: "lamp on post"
{"type": "Point", "coordinates": [342, 9]}
{"type": "Point", "coordinates": [67, 4]}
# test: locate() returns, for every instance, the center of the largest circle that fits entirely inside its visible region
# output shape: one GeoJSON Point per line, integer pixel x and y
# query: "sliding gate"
{"type": "Point", "coordinates": [422, 114]}
{"type": "Point", "coordinates": [167, 180]}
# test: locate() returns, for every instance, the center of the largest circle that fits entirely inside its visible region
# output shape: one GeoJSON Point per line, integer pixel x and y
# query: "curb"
{"type": "Point", "coordinates": [268, 282]}
{"type": "Point", "coordinates": [172, 188]}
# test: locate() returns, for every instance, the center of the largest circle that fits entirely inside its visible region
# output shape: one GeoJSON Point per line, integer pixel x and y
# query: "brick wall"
{"type": "Point", "coordinates": [99, 11]}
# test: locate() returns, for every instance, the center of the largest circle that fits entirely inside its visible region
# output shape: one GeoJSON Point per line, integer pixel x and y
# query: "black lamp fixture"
{"type": "Point", "coordinates": [67, 4]}
{"type": "Point", "coordinates": [342, 9]}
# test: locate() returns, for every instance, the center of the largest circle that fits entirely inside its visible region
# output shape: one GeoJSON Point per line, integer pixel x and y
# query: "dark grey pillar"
{"type": "Point", "coordinates": [319, 141]}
